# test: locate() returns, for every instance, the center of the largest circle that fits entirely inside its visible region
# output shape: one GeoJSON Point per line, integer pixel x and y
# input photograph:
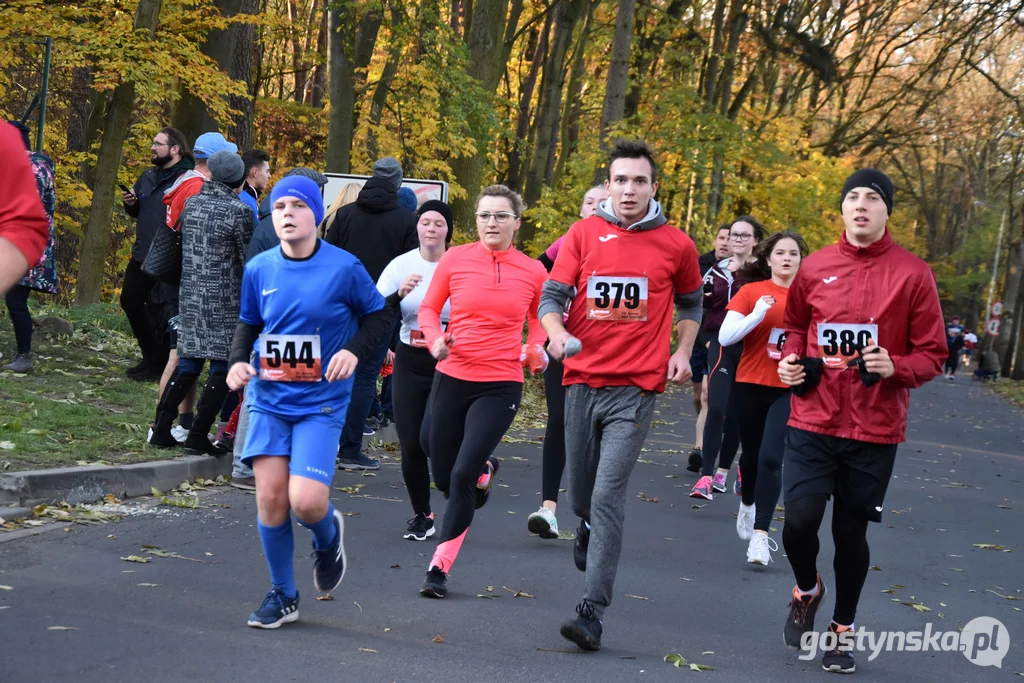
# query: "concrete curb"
{"type": "Point", "coordinates": [87, 484]}
{"type": "Point", "coordinates": [19, 490]}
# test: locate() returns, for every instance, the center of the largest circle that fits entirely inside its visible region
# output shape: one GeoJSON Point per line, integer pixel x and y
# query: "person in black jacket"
{"type": "Point", "coordinates": [375, 229]}
{"type": "Point", "coordinates": [144, 202]}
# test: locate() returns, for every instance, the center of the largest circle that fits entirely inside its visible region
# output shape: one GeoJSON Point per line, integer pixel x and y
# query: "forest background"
{"type": "Point", "coordinates": [754, 106]}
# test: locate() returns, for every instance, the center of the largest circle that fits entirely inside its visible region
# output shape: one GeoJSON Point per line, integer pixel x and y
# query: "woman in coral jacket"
{"type": "Point", "coordinates": [478, 381]}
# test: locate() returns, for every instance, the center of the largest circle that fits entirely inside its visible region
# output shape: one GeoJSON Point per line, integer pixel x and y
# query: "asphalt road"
{"type": "Point", "coordinates": [683, 584]}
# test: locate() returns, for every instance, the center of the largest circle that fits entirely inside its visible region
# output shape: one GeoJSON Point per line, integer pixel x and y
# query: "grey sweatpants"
{"type": "Point", "coordinates": [604, 431]}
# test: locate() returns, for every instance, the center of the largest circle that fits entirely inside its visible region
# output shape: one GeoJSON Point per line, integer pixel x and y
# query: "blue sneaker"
{"type": "Point", "coordinates": [359, 463]}
{"type": "Point", "coordinates": [276, 609]}
{"type": "Point", "coordinates": [329, 566]}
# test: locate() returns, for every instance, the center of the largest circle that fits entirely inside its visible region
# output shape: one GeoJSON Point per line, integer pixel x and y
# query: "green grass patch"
{"type": "Point", "coordinates": [1013, 390]}
{"type": "Point", "coordinates": [77, 406]}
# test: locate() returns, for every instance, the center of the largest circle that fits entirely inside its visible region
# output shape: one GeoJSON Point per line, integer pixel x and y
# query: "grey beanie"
{"type": "Point", "coordinates": [390, 170]}
{"type": "Point", "coordinates": [307, 172]}
{"type": "Point", "coordinates": [227, 167]}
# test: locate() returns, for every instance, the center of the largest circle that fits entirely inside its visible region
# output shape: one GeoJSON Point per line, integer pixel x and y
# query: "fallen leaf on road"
{"type": "Point", "coordinates": [358, 605]}
{"type": "Point", "coordinates": [148, 585]}
{"type": "Point", "coordinates": [698, 507]}
{"type": "Point", "coordinates": [707, 652]}
{"type": "Point", "coordinates": [635, 597]}
{"type": "Point", "coordinates": [918, 606]}
{"type": "Point", "coordinates": [438, 638]}
{"type": "Point", "coordinates": [779, 508]}
{"type": "Point", "coordinates": [350, 514]}
{"type": "Point", "coordinates": [647, 499]}
{"type": "Point", "coordinates": [548, 649]}
{"type": "Point", "coordinates": [136, 558]}
{"type": "Point", "coordinates": [683, 578]}
{"type": "Point", "coordinates": [349, 489]}
{"type": "Point", "coordinates": [396, 566]}
{"type": "Point", "coordinates": [680, 662]}
{"type": "Point", "coordinates": [889, 590]}
{"type": "Point", "coordinates": [876, 568]}
{"type": "Point", "coordinates": [1005, 597]}
{"type": "Point", "coordinates": [955, 569]}
{"type": "Point", "coordinates": [5, 607]}
{"type": "Point", "coordinates": [487, 595]}
{"type": "Point", "coordinates": [111, 499]}
{"type": "Point", "coordinates": [1005, 507]}
{"type": "Point", "coordinates": [153, 550]}
{"type": "Point", "coordinates": [7, 445]}
{"type": "Point", "coordinates": [566, 536]}
{"type": "Point", "coordinates": [6, 588]}
{"type": "Point", "coordinates": [366, 649]}
{"type": "Point", "coordinates": [61, 628]}
{"type": "Point", "coordinates": [992, 546]}
{"type": "Point", "coordinates": [510, 512]}
{"type": "Point", "coordinates": [628, 657]}
{"type": "Point", "coordinates": [386, 630]}
{"type": "Point", "coordinates": [517, 593]}
{"type": "Point", "coordinates": [325, 598]}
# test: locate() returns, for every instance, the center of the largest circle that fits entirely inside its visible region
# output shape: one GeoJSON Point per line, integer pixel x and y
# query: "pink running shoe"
{"type": "Point", "coordinates": [719, 483]}
{"type": "Point", "coordinates": [702, 489]}
{"type": "Point", "coordinates": [737, 486]}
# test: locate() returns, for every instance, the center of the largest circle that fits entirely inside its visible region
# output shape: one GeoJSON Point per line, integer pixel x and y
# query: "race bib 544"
{"type": "Point", "coordinates": [838, 342]}
{"type": "Point", "coordinates": [290, 358]}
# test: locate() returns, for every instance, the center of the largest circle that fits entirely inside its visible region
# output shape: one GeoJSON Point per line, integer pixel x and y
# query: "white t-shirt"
{"type": "Point", "coordinates": [971, 337]}
{"type": "Point", "coordinates": [411, 263]}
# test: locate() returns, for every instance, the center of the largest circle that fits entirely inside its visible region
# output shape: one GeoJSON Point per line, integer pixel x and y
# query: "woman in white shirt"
{"type": "Point", "coordinates": [406, 280]}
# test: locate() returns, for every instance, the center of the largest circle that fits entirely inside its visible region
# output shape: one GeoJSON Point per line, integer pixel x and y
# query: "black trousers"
{"type": "Point", "coordinates": [554, 434]}
{"type": "Point", "coordinates": [410, 388]}
{"type": "Point", "coordinates": [17, 307]}
{"type": "Point", "coordinates": [467, 421]}
{"type": "Point", "coordinates": [765, 412]}
{"type": "Point", "coordinates": [137, 304]}
{"type": "Point", "coordinates": [721, 433]}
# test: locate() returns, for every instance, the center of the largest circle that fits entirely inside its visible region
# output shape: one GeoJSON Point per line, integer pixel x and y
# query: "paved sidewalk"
{"type": "Point", "coordinates": [683, 584]}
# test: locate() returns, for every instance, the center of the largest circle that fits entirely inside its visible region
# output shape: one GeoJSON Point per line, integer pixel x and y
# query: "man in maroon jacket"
{"type": "Point", "coordinates": [864, 327]}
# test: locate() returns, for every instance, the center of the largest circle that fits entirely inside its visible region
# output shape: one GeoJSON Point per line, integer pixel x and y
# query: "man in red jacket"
{"type": "Point", "coordinates": [864, 327]}
{"type": "Point", "coordinates": [24, 226]}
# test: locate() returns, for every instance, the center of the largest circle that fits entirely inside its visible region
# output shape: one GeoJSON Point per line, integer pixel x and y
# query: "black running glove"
{"type": "Point", "coordinates": [868, 378]}
{"type": "Point", "coordinates": [812, 368]}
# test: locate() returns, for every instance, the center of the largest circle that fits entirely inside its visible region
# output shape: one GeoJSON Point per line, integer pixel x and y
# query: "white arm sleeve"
{"type": "Point", "coordinates": [736, 326]}
{"type": "Point", "coordinates": [389, 281]}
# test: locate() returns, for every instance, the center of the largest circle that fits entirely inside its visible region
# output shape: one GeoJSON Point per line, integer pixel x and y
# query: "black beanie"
{"type": "Point", "coordinates": [441, 208]}
{"type": "Point", "coordinates": [869, 177]}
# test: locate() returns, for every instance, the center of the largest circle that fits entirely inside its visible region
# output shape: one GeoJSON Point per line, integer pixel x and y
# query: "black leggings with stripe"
{"type": "Point", "coordinates": [721, 429]}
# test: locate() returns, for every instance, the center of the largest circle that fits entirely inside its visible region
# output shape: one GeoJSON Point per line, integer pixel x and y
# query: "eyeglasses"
{"type": "Point", "coordinates": [741, 238]}
{"type": "Point", "coordinates": [160, 144]}
{"type": "Point", "coordinates": [501, 217]}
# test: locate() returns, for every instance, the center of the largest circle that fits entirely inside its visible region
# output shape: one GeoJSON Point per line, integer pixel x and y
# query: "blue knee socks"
{"type": "Point", "coordinates": [323, 531]}
{"type": "Point", "coordinates": [279, 549]}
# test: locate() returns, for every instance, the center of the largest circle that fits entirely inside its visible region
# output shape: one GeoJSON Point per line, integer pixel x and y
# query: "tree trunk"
{"type": "Point", "coordinates": [486, 25]}
{"type": "Point", "coordinates": [569, 133]}
{"type": "Point", "coordinates": [1009, 324]}
{"type": "Point", "coordinates": [298, 67]}
{"type": "Point", "coordinates": [350, 48]}
{"type": "Point", "coordinates": [231, 49]}
{"type": "Point", "coordinates": [567, 13]}
{"type": "Point", "coordinates": [618, 71]}
{"type": "Point", "coordinates": [316, 91]}
{"type": "Point", "coordinates": [380, 92]}
{"type": "Point", "coordinates": [115, 129]}
{"type": "Point", "coordinates": [515, 158]}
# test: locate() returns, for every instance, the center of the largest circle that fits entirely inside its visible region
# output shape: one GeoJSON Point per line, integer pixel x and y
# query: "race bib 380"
{"type": "Point", "coordinates": [838, 342]}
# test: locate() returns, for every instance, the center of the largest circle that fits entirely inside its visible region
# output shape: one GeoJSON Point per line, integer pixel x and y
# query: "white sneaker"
{"type": "Point", "coordinates": [179, 433]}
{"type": "Point", "coordinates": [760, 548]}
{"type": "Point", "coordinates": [745, 521]}
{"type": "Point", "coordinates": [543, 523]}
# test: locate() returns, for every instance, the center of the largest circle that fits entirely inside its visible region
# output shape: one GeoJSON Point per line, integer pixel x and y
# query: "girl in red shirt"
{"type": "Point", "coordinates": [754, 316]}
{"type": "Point", "coordinates": [478, 381]}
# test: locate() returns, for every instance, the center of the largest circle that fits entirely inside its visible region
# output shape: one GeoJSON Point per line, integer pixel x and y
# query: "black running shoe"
{"type": "Point", "coordinates": [436, 584]}
{"type": "Point", "coordinates": [275, 610]}
{"type": "Point", "coordinates": [801, 615]}
{"type": "Point", "coordinates": [420, 527]}
{"type": "Point", "coordinates": [584, 630]}
{"type": "Point", "coordinates": [696, 462]}
{"type": "Point", "coordinates": [839, 659]}
{"type": "Point", "coordinates": [579, 548]}
{"type": "Point", "coordinates": [329, 566]}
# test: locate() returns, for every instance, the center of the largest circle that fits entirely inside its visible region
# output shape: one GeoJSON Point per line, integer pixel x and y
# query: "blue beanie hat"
{"type": "Point", "coordinates": [407, 199]}
{"type": "Point", "coordinates": [302, 188]}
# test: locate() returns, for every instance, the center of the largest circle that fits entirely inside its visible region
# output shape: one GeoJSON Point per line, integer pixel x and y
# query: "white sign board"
{"type": "Point", "coordinates": [424, 189]}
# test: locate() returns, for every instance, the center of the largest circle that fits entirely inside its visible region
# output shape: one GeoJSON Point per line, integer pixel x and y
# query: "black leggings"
{"type": "Point", "coordinates": [410, 390]}
{"type": "Point", "coordinates": [765, 412]}
{"type": "Point", "coordinates": [849, 533]}
{"type": "Point", "coordinates": [554, 435]}
{"type": "Point", "coordinates": [467, 421]}
{"type": "Point", "coordinates": [952, 360]}
{"type": "Point", "coordinates": [721, 433]}
{"type": "Point", "coordinates": [17, 307]}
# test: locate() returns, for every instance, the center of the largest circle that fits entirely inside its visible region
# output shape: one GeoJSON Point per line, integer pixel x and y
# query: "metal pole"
{"type": "Point", "coordinates": [48, 42]}
{"type": "Point", "coordinates": [995, 268]}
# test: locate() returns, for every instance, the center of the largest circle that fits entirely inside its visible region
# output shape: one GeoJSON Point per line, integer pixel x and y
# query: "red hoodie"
{"type": "Point", "coordinates": [23, 222]}
{"type": "Point", "coordinates": [492, 293]}
{"type": "Point", "coordinates": [844, 294]}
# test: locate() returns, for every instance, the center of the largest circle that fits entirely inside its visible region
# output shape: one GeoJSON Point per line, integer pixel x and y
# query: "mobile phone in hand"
{"type": "Point", "coordinates": [124, 188]}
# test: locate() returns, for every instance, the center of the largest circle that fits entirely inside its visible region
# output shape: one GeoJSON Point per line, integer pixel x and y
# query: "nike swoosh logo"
{"type": "Point", "coordinates": [270, 291]}
{"type": "Point", "coordinates": [828, 280]}
{"type": "Point", "coordinates": [605, 238]}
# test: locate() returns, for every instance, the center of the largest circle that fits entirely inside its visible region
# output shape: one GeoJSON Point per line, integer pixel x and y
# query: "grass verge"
{"type": "Point", "coordinates": [1013, 390]}
{"type": "Point", "coordinates": [77, 407]}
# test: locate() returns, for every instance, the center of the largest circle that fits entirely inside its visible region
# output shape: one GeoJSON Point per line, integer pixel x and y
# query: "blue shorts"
{"type": "Point", "coordinates": [699, 363]}
{"type": "Point", "coordinates": [311, 441]}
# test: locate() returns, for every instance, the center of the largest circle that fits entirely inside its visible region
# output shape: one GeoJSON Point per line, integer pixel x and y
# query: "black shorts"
{"type": "Point", "coordinates": [856, 472]}
{"type": "Point", "coordinates": [699, 363]}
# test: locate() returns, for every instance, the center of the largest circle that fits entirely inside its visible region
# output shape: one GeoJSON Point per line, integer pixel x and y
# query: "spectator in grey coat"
{"type": "Point", "coordinates": [215, 231]}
